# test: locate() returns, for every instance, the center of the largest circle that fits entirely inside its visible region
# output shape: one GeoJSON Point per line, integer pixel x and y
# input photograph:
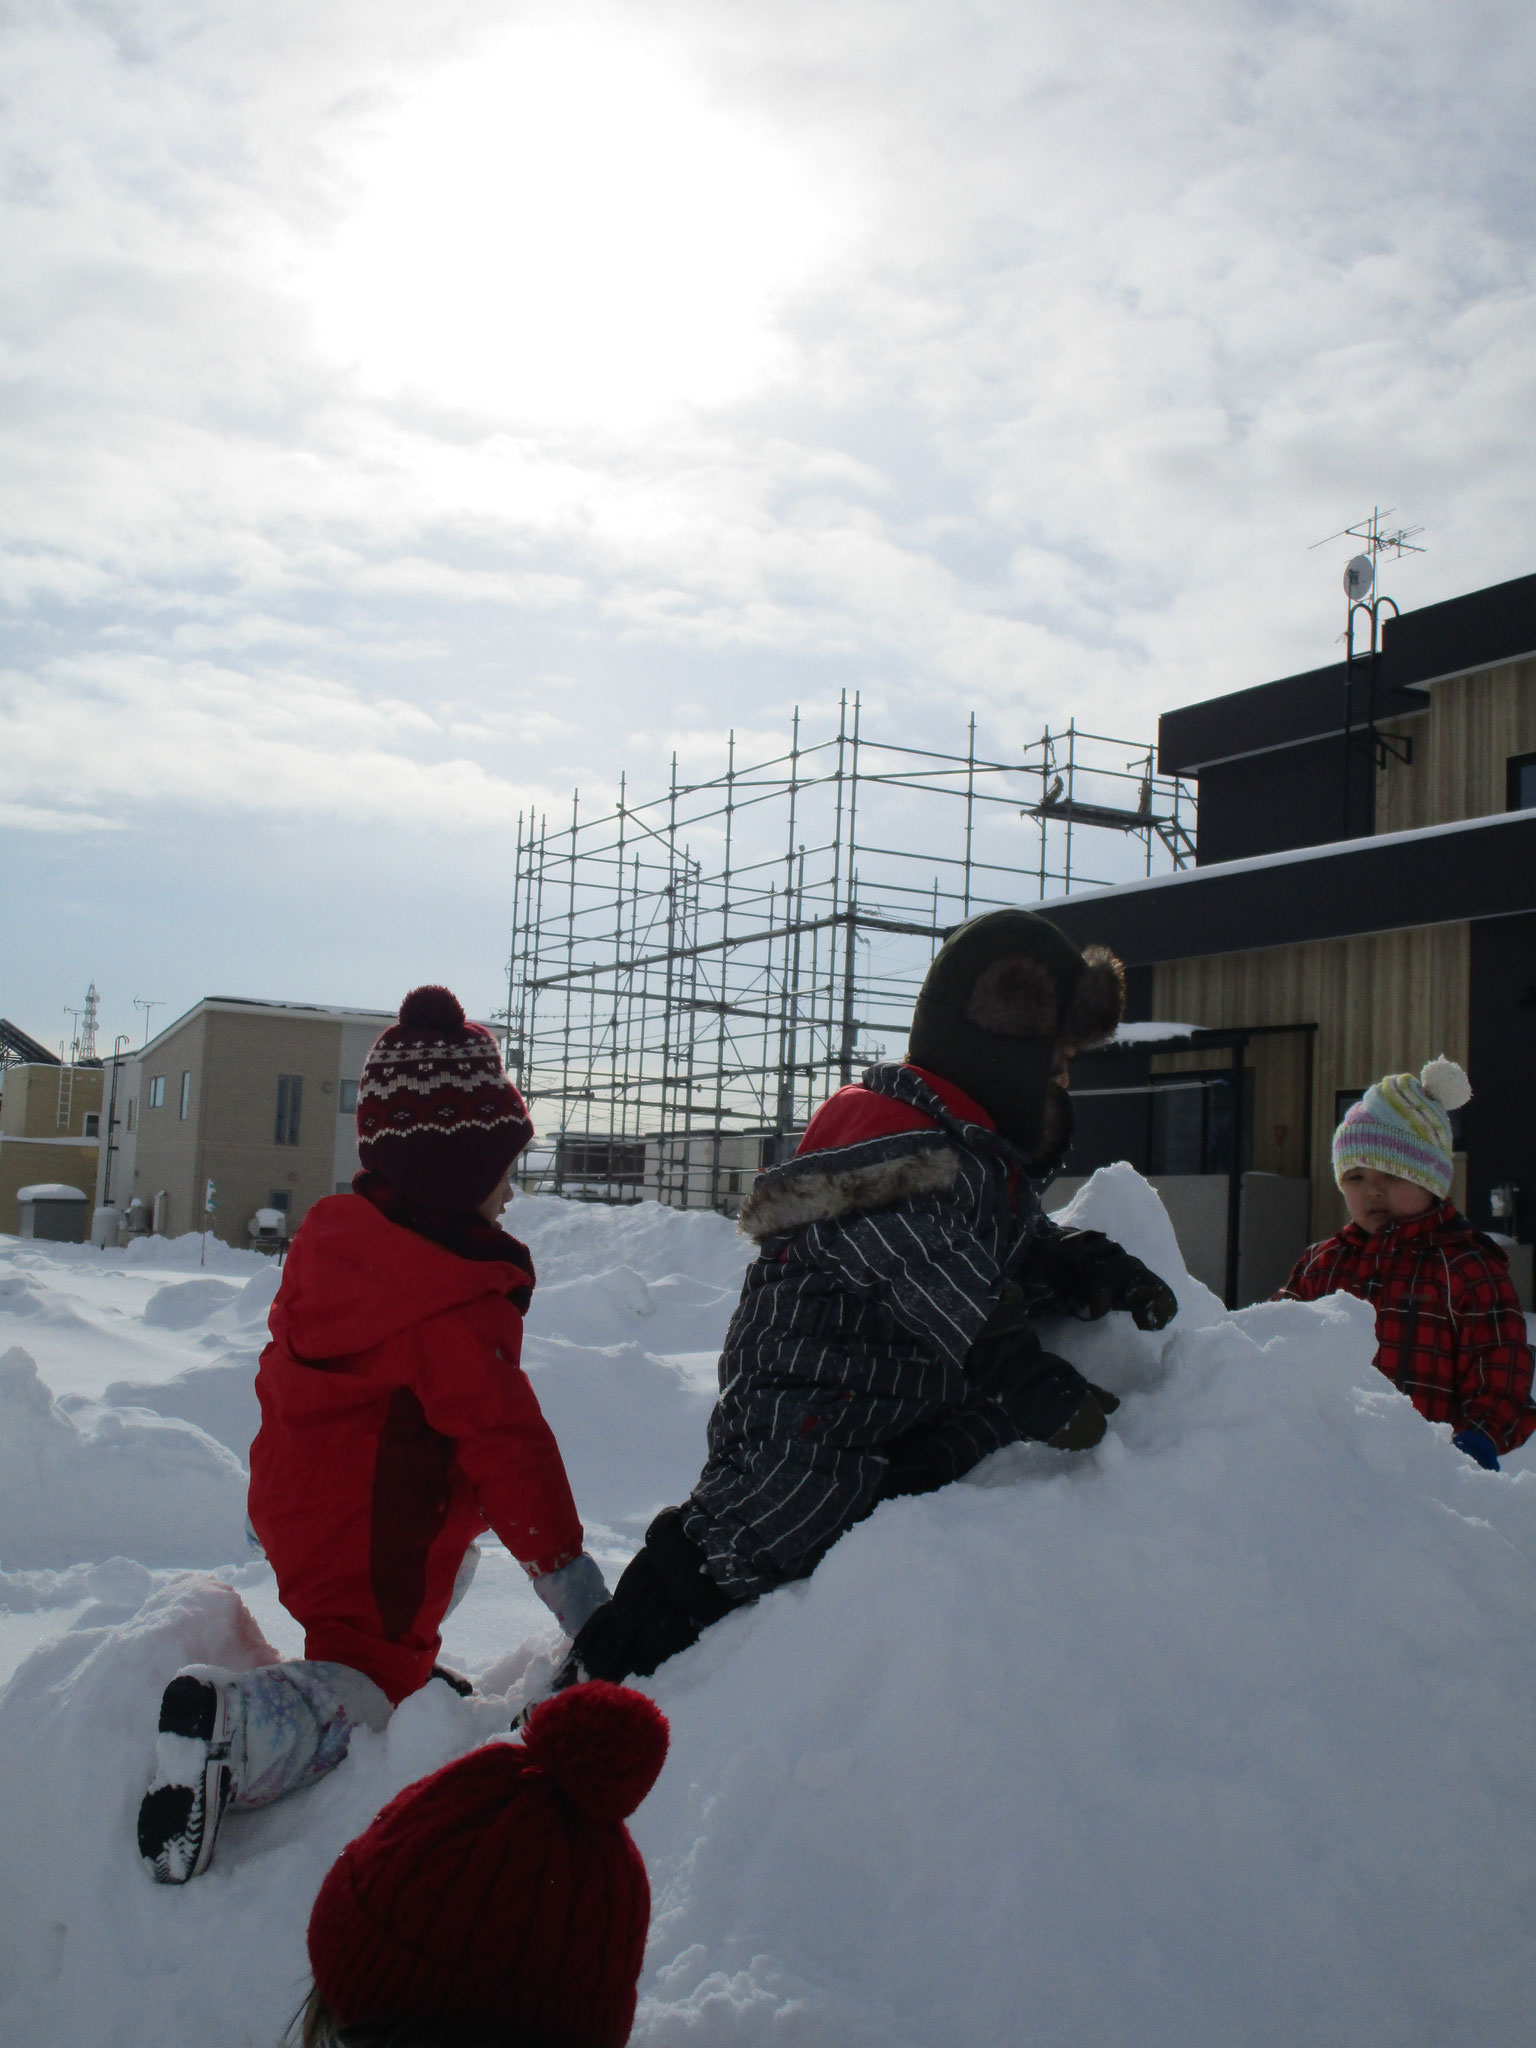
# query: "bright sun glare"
{"type": "Point", "coordinates": [563, 230]}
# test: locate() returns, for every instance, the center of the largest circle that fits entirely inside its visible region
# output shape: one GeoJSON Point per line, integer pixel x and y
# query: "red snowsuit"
{"type": "Point", "coordinates": [396, 1426]}
{"type": "Point", "coordinates": [1449, 1330]}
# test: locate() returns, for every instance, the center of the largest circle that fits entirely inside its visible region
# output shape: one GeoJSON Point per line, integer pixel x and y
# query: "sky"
{"type": "Point", "coordinates": [411, 415]}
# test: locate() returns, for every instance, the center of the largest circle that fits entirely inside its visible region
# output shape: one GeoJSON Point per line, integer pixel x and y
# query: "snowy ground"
{"type": "Point", "coordinates": [1220, 1735]}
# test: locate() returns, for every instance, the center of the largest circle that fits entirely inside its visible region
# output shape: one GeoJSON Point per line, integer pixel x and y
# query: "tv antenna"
{"type": "Point", "coordinates": [154, 1003]}
{"type": "Point", "coordinates": [88, 1024]}
{"type": "Point", "coordinates": [1377, 542]}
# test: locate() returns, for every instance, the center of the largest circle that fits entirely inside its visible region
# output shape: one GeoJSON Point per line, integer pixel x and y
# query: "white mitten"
{"type": "Point", "coordinates": [574, 1593]}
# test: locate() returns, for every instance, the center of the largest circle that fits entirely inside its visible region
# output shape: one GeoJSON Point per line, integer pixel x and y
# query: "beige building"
{"type": "Point", "coordinates": [258, 1098]}
{"type": "Point", "coordinates": [50, 1117]}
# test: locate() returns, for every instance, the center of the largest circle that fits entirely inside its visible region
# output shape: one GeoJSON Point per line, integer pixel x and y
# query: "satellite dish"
{"type": "Point", "coordinates": [1358, 578]}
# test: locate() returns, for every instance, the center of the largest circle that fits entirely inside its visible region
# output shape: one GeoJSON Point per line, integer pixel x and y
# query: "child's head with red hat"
{"type": "Point", "coordinates": [501, 1900]}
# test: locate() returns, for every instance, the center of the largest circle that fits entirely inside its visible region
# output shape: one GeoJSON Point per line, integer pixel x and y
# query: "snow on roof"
{"type": "Point", "coordinates": [1291, 856]}
{"type": "Point", "coordinates": [1152, 1032]}
{"type": "Point", "coordinates": [50, 1191]}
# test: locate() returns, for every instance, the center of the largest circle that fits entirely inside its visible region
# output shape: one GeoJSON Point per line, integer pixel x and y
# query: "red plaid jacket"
{"type": "Point", "coordinates": [1448, 1324]}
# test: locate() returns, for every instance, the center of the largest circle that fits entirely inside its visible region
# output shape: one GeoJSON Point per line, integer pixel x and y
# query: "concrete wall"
{"type": "Point", "coordinates": [241, 1153]}
{"type": "Point", "coordinates": [356, 1042]}
{"type": "Point", "coordinates": [42, 1132]}
{"type": "Point", "coordinates": [166, 1153]}
{"type": "Point", "coordinates": [1272, 1233]}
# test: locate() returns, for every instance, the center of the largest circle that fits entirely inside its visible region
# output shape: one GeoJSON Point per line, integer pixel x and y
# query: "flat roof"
{"type": "Point", "coordinates": [1436, 874]}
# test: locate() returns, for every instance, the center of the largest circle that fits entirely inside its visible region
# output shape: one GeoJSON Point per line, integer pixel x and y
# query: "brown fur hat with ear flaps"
{"type": "Point", "coordinates": [1019, 997]}
{"type": "Point", "coordinates": [1006, 992]}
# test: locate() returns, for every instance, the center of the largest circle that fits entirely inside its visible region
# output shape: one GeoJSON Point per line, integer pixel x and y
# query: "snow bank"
{"type": "Point", "coordinates": [104, 1482]}
{"type": "Point", "coordinates": [1216, 1735]}
{"type": "Point", "coordinates": [92, 1953]}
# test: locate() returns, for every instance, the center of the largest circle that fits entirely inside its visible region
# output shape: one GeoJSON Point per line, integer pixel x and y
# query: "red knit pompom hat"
{"type": "Point", "coordinates": [436, 1115]}
{"type": "Point", "coordinates": [505, 1888]}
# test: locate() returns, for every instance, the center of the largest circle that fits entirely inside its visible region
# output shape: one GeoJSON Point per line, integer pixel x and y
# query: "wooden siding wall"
{"type": "Point", "coordinates": [1461, 746]}
{"type": "Point", "coordinates": [1383, 1003]}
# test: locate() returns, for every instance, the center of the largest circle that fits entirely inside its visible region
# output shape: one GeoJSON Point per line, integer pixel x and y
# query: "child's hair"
{"type": "Point", "coordinates": [316, 2026]}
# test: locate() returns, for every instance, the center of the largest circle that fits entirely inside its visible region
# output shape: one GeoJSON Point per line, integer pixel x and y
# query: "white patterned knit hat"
{"type": "Point", "coordinates": [1402, 1126]}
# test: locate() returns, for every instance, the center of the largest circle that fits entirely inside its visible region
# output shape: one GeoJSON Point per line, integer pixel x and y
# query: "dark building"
{"type": "Point", "coordinates": [1364, 898]}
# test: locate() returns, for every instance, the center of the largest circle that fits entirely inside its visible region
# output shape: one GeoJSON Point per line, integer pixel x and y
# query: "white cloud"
{"type": "Point", "coordinates": [992, 358]}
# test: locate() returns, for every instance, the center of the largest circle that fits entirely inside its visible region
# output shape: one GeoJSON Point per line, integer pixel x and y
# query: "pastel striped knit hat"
{"type": "Point", "coordinates": [1402, 1126]}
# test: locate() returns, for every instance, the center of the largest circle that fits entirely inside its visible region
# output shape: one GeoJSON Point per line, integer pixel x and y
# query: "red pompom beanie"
{"type": "Point", "coordinates": [505, 1888]}
{"type": "Point", "coordinates": [436, 1115]}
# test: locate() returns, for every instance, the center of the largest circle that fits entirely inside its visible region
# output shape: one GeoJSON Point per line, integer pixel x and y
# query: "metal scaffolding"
{"type": "Point", "coordinates": [692, 974]}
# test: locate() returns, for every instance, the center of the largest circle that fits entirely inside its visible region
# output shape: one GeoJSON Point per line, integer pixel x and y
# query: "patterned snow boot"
{"type": "Point", "coordinates": [193, 1783]}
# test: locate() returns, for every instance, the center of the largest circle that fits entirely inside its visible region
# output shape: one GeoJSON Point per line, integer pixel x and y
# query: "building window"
{"type": "Point", "coordinates": [1192, 1124]}
{"type": "Point", "coordinates": [619, 1162]}
{"type": "Point", "coordinates": [92, 1127]}
{"type": "Point", "coordinates": [347, 1104]}
{"type": "Point", "coordinates": [1521, 793]}
{"type": "Point", "coordinates": [290, 1100]}
{"type": "Point", "coordinates": [186, 1097]}
{"type": "Point", "coordinates": [157, 1091]}
{"type": "Point", "coordinates": [131, 1117]}
{"type": "Point", "coordinates": [278, 1199]}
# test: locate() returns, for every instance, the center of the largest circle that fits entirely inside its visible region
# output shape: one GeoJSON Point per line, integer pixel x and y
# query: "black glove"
{"type": "Point", "coordinates": [1082, 1430]}
{"type": "Point", "coordinates": [1093, 1275]}
{"type": "Point", "coordinates": [1038, 1392]}
{"type": "Point", "coordinates": [664, 1601]}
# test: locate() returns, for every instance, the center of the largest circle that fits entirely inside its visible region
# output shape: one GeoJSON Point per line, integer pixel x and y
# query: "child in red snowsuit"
{"type": "Point", "coordinates": [397, 1426]}
{"type": "Point", "coordinates": [1449, 1329]}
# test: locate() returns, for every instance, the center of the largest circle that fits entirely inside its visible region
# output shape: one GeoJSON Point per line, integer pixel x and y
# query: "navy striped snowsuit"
{"type": "Point", "coordinates": [843, 1376]}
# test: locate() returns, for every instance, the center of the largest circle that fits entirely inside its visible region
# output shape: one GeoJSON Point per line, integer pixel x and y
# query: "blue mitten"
{"type": "Point", "coordinates": [1477, 1444]}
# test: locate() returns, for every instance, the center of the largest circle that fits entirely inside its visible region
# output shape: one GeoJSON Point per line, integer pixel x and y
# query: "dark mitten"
{"type": "Point", "coordinates": [664, 1601]}
{"type": "Point", "coordinates": [1083, 1429]}
{"type": "Point", "coordinates": [1093, 1275]}
{"type": "Point", "coordinates": [1478, 1444]}
{"type": "Point", "coordinates": [1038, 1392]}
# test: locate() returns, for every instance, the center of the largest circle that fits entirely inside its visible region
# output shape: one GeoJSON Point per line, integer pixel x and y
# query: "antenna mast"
{"type": "Point", "coordinates": [1361, 667]}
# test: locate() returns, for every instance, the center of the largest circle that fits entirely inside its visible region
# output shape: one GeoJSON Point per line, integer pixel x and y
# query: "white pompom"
{"type": "Point", "coordinates": [1444, 1082]}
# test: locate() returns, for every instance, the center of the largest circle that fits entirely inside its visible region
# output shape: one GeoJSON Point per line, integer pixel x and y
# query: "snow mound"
{"type": "Point", "coordinates": [91, 1951]}
{"type": "Point", "coordinates": [651, 1446]}
{"type": "Point", "coordinates": [94, 1483]}
{"type": "Point", "coordinates": [574, 1240]}
{"type": "Point", "coordinates": [183, 1304]}
{"type": "Point", "coordinates": [219, 1398]}
{"type": "Point", "coordinates": [1217, 1734]}
{"type": "Point", "coordinates": [617, 1306]}
{"type": "Point", "coordinates": [192, 1250]}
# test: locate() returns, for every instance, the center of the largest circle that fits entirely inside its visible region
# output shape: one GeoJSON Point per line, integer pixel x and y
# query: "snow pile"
{"type": "Point", "coordinates": [1218, 1734]}
{"type": "Point", "coordinates": [105, 1482]}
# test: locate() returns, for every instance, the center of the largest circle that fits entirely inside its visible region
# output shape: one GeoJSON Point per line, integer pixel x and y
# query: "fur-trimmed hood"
{"type": "Point", "coordinates": [848, 1182]}
{"type": "Point", "coordinates": [892, 1137]}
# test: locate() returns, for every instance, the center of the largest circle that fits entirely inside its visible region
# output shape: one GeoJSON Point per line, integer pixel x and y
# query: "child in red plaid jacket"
{"type": "Point", "coordinates": [1449, 1329]}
